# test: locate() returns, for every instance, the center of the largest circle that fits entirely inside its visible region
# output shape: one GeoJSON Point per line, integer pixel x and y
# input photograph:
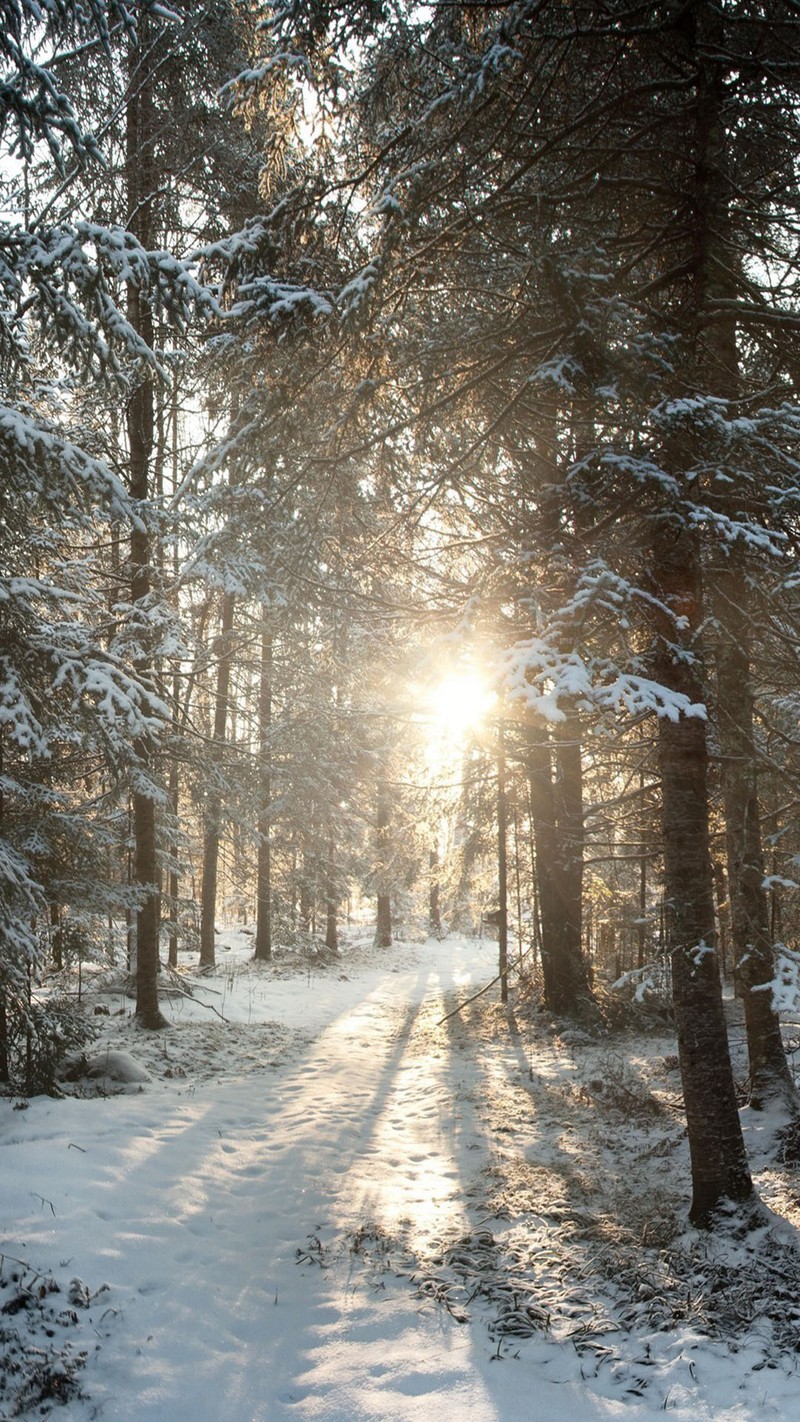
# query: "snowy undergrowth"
{"type": "Point", "coordinates": [582, 1238]}
{"type": "Point", "coordinates": [318, 1194]}
{"type": "Point", "coordinates": [44, 1348]}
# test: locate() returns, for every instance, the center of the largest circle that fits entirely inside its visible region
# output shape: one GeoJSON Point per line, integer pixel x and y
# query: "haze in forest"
{"type": "Point", "coordinates": [399, 449]}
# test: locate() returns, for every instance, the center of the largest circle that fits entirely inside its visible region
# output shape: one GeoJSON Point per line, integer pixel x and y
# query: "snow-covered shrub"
{"type": "Point", "coordinates": [38, 1035]}
{"type": "Point", "coordinates": [785, 986]}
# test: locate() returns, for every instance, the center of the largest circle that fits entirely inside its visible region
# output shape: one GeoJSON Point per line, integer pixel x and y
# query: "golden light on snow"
{"type": "Point", "coordinates": [408, 1173]}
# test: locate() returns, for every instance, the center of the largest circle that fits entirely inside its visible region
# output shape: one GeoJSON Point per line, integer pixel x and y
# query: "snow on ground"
{"type": "Point", "coordinates": [325, 1202]}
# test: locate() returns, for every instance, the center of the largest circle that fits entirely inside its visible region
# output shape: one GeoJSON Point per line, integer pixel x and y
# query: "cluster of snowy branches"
{"type": "Point", "coordinates": [327, 330]}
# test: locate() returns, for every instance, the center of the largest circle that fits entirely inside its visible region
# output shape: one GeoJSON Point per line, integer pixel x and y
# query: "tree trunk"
{"type": "Point", "coordinates": [434, 905]}
{"type": "Point", "coordinates": [263, 948]}
{"type": "Point", "coordinates": [502, 862]}
{"type": "Point", "coordinates": [331, 903]}
{"type": "Point", "coordinates": [4, 1063]}
{"type": "Point", "coordinates": [383, 927]}
{"type": "Point", "coordinates": [641, 927]}
{"type": "Point", "coordinates": [174, 885]}
{"type": "Point", "coordinates": [4, 1066]}
{"type": "Point", "coordinates": [308, 892]}
{"type": "Point", "coordinates": [770, 1077]}
{"type": "Point", "coordinates": [719, 1165]}
{"type": "Point", "coordinates": [213, 808]}
{"type": "Point", "coordinates": [543, 821]}
{"type": "Point", "coordinates": [723, 913]}
{"type": "Point", "coordinates": [174, 779]}
{"type": "Point", "coordinates": [557, 818]}
{"type": "Point", "coordinates": [708, 364]}
{"type": "Point", "coordinates": [716, 262]}
{"type": "Point", "coordinates": [57, 937]}
{"type": "Point", "coordinates": [571, 986]}
{"type": "Point", "coordinates": [141, 186]}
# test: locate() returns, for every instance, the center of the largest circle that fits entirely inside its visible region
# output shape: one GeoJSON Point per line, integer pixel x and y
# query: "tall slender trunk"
{"type": "Point", "coordinates": [174, 778]}
{"type": "Point", "coordinates": [543, 822]}
{"type": "Point", "coordinates": [263, 948]}
{"type": "Point", "coordinates": [718, 1160]}
{"type": "Point", "coordinates": [502, 862]}
{"type": "Point", "coordinates": [383, 927]}
{"type": "Point", "coordinates": [306, 902]}
{"type": "Point", "coordinates": [571, 976]}
{"type": "Point", "coordinates": [331, 900]}
{"type": "Point", "coordinates": [57, 938]}
{"type": "Point", "coordinates": [141, 184]}
{"type": "Point", "coordinates": [212, 827]}
{"type": "Point", "coordinates": [536, 913]}
{"type": "Point", "coordinates": [556, 803]}
{"type": "Point", "coordinates": [434, 895]}
{"type": "Point", "coordinates": [723, 913]}
{"type": "Point", "coordinates": [555, 769]}
{"type": "Point", "coordinates": [174, 884]}
{"type": "Point", "coordinates": [517, 881]}
{"type": "Point", "coordinates": [770, 1077]}
{"type": "Point", "coordinates": [641, 927]}
{"type": "Point", "coordinates": [4, 1063]}
{"type": "Point", "coordinates": [719, 1165]}
{"type": "Point", "coordinates": [717, 260]}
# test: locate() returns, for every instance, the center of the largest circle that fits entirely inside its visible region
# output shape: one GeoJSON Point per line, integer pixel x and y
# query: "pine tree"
{"type": "Point", "coordinates": [549, 192]}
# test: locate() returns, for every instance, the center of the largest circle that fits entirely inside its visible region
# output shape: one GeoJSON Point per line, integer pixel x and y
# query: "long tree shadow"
{"type": "Point", "coordinates": [260, 1193]}
{"type": "Point", "coordinates": [549, 1114]}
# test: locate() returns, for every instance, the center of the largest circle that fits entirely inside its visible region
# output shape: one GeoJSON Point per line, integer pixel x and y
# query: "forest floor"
{"type": "Point", "coordinates": [323, 1198]}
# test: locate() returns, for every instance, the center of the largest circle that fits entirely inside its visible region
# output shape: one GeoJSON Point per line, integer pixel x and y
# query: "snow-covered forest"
{"type": "Point", "coordinates": [399, 687]}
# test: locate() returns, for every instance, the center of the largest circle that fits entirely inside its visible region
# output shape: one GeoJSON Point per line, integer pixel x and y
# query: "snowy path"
{"type": "Point", "coordinates": [193, 1203]}
{"type": "Point", "coordinates": [327, 1104]}
{"type": "Point", "coordinates": [354, 1131]}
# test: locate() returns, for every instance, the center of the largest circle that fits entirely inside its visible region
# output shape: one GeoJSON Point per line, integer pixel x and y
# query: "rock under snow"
{"type": "Point", "coordinates": [114, 1068]}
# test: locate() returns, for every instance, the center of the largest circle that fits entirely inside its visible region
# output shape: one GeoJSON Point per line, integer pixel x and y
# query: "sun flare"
{"type": "Point", "coordinates": [459, 703]}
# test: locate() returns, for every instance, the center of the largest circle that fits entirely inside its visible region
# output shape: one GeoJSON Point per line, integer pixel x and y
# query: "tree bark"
{"type": "Point", "coordinates": [212, 827]}
{"type": "Point", "coordinates": [57, 938]}
{"type": "Point", "coordinates": [263, 948]}
{"type": "Point", "coordinates": [718, 1161]}
{"type": "Point", "coordinates": [4, 1044]}
{"type": "Point", "coordinates": [754, 959]}
{"type": "Point", "coordinates": [174, 885]}
{"type": "Point", "coordinates": [543, 820]}
{"type": "Point", "coordinates": [571, 987]}
{"type": "Point", "coordinates": [331, 902]}
{"type": "Point", "coordinates": [140, 177]}
{"type": "Point", "coordinates": [719, 1165]}
{"type": "Point", "coordinates": [502, 862]}
{"type": "Point", "coordinates": [716, 264]}
{"type": "Point", "coordinates": [557, 817]}
{"type": "Point", "coordinates": [383, 927]}
{"type": "Point", "coordinates": [434, 895]}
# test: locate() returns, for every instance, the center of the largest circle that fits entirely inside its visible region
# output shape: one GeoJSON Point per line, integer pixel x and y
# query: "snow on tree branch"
{"type": "Point", "coordinates": [24, 442]}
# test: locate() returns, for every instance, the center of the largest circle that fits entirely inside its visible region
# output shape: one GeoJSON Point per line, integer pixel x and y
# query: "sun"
{"type": "Point", "coordinates": [459, 704]}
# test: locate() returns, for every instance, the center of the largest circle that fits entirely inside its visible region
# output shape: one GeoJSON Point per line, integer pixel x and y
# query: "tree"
{"type": "Point", "coordinates": [141, 184]}
{"type": "Point", "coordinates": [71, 698]}
{"type": "Point", "coordinates": [551, 196]}
{"type": "Point", "coordinates": [213, 799]}
{"type": "Point", "coordinates": [170, 194]}
{"type": "Point", "coordinates": [263, 946]}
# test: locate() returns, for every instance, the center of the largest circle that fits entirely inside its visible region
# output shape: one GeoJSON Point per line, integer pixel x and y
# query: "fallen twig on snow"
{"type": "Point", "coordinates": [512, 968]}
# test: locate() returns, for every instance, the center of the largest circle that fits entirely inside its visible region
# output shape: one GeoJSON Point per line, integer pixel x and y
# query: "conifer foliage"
{"type": "Point", "coordinates": [405, 321]}
{"type": "Point", "coordinates": [582, 242]}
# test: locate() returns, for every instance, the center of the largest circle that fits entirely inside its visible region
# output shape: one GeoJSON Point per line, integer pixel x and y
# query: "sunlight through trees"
{"type": "Point", "coordinates": [400, 505]}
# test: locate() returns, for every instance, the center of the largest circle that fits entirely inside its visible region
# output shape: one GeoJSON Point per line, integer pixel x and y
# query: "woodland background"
{"type": "Point", "coordinates": [347, 352]}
